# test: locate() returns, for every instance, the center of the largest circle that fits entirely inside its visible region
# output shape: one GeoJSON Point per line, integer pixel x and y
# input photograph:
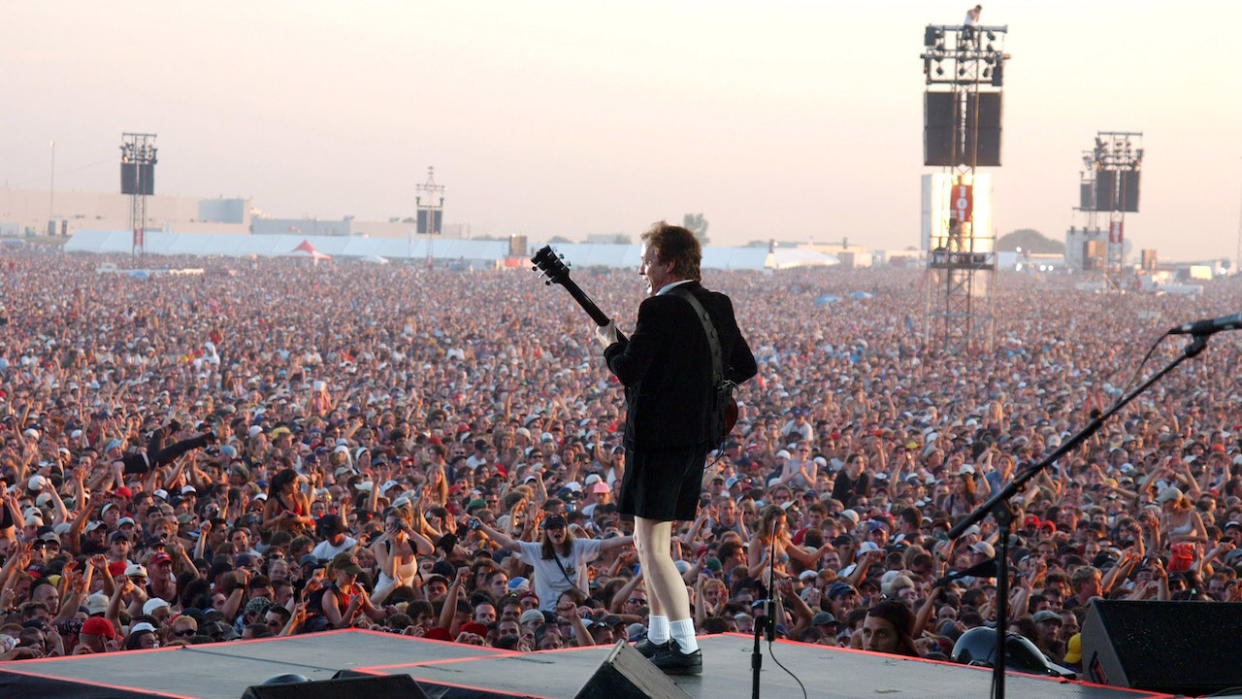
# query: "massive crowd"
{"type": "Point", "coordinates": [273, 448]}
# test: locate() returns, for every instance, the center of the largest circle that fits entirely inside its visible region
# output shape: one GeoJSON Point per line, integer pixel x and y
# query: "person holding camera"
{"type": "Point", "coordinates": [286, 507]}
{"type": "Point", "coordinates": [559, 559]}
{"type": "Point", "coordinates": [394, 552]}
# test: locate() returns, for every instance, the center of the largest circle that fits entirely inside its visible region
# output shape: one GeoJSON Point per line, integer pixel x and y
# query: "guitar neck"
{"type": "Point", "coordinates": [585, 301]}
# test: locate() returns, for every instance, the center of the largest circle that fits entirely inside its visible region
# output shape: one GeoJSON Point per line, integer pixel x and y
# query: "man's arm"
{"type": "Point", "coordinates": [742, 364]}
{"type": "Point", "coordinates": [629, 360]}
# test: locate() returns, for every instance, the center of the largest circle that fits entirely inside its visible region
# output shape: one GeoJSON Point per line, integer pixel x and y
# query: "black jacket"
{"type": "Point", "coordinates": [666, 368]}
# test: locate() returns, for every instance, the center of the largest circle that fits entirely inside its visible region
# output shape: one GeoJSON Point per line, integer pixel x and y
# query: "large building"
{"type": "Point", "coordinates": [28, 211]}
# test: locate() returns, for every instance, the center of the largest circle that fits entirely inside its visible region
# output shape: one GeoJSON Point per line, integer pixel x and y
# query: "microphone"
{"type": "Point", "coordinates": [1209, 326]}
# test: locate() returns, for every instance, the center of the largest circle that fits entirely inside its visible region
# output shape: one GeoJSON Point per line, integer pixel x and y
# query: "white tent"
{"type": "Point", "coordinates": [789, 258]}
{"type": "Point", "coordinates": [231, 245]}
{"type": "Point", "coordinates": [576, 254]}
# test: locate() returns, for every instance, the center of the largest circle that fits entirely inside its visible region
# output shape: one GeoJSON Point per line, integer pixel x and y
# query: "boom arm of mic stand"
{"type": "Point", "coordinates": [1192, 349]}
{"type": "Point", "coordinates": [999, 506]}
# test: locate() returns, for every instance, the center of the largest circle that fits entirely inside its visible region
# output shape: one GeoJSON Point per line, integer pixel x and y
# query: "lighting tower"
{"type": "Point", "coordinates": [963, 68]}
{"type": "Point", "coordinates": [1118, 164]}
{"type": "Point", "coordinates": [138, 160]}
{"type": "Point", "coordinates": [430, 203]}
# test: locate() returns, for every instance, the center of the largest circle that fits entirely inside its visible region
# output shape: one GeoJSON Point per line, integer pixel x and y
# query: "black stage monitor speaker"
{"type": "Point", "coordinates": [345, 685]}
{"type": "Point", "coordinates": [626, 674]}
{"type": "Point", "coordinates": [939, 126]}
{"type": "Point", "coordinates": [1172, 647]}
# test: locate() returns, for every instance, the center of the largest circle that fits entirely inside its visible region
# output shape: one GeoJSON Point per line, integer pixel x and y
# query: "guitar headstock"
{"type": "Point", "coordinates": [551, 265]}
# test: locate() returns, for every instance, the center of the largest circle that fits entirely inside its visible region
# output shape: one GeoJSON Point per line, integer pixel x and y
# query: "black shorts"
{"type": "Point", "coordinates": [664, 485]}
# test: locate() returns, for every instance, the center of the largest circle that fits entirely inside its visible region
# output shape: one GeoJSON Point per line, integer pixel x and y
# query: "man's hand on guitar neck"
{"type": "Point", "coordinates": [606, 335]}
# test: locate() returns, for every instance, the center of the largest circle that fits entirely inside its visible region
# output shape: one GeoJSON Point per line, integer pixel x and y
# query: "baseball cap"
{"type": "Point", "coordinates": [98, 626]}
{"type": "Point", "coordinates": [151, 605]}
{"type": "Point", "coordinates": [1047, 615]}
{"type": "Point", "coordinates": [840, 588]}
{"type": "Point", "coordinates": [329, 525]}
{"type": "Point", "coordinates": [97, 604]}
{"type": "Point", "coordinates": [822, 618]}
{"type": "Point", "coordinates": [984, 548]}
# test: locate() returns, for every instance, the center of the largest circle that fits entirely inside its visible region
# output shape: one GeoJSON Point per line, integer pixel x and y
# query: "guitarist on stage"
{"type": "Point", "coordinates": [666, 368]}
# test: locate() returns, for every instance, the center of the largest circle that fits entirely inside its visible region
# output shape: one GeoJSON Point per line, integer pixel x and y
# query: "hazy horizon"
{"type": "Point", "coordinates": [785, 120]}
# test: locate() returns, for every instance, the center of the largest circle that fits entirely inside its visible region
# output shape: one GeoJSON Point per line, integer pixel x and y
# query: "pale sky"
{"type": "Point", "coordinates": [778, 119]}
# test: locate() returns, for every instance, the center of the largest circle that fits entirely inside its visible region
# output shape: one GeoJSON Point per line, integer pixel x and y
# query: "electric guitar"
{"type": "Point", "coordinates": [555, 271]}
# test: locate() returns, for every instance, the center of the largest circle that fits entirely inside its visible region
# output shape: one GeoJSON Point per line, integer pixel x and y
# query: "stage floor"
{"type": "Point", "coordinates": [225, 670]}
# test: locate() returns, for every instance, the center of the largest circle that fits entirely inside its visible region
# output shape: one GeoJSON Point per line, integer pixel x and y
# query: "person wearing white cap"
{"type": "Point", "coordinates": [142, 636]}
{"type": "Point", "coordinates": [157, 608]}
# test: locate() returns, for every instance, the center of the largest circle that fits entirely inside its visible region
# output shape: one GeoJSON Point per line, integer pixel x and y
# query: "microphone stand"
{"type": "Point", "coordinates": [768, 627]}
{"type": "Point", "coordinates": [1000, 508]}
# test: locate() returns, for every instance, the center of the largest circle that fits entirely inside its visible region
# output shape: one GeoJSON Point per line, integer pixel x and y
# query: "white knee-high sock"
{"type": "Point", "coordinates": [682, 631]}
{"type": "Point", "coordinates": [657, 629]}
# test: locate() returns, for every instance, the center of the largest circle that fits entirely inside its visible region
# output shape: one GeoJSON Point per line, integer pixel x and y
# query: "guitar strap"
{"type": "Point", "coordinates": [709, 328]}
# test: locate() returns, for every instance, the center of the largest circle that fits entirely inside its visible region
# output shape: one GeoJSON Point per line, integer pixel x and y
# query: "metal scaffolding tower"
{"type": "Point", "coordinates": [430, 204]}
{"type": "Point", "coordinates": [138, 158]}
{"type": "Point", "coordinates": [963, 68]}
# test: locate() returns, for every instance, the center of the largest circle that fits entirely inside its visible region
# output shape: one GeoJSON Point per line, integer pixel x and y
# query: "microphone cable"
{"type": "Point", "coordinates": [772, 654]}
{"type": "Point", "coordinates": [774, 603]}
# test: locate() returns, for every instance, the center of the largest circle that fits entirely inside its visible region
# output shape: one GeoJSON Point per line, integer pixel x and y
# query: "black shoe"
{"type": "Point", "coordinates": [649, 649]}
{"type": "Point", "coordinates": [672, 661]}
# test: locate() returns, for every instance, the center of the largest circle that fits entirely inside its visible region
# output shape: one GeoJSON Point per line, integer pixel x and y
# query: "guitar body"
{"type": "Point", "coordinates": [556, 272]}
